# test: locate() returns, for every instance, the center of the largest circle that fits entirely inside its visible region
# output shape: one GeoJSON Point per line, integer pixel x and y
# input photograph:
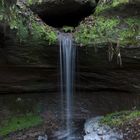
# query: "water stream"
{"type": "Point", "coordinates": [67, 68]}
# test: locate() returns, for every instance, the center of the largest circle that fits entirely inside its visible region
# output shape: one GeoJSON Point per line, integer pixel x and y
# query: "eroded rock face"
{"type": "Point", "coordinates": [64, 12]}
{"type": "Point", "coordinates": [94, 73]}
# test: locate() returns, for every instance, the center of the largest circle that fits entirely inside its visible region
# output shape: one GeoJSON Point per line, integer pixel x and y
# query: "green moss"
{"type": "Point", "coordinates": [29, 28]}
{"type": "Point", "coordinates": [119, 118]}
{"type": "Point", "coordinates": [19, 123]}
{"type": "Point", "coordinates": [42, 31]}
{"type": "Point", "coordinates": [129, 34]}
{"type": "Point", "coordinates": [30, 2]}
{"type": "Point", "coordinates": [67, 29]}
{"type": "Point", "coordinates": [106, 6]}
{"type": "Point", "coordinates": [102, 31]}
{"type": "Point", "coordinates": [103, 27]}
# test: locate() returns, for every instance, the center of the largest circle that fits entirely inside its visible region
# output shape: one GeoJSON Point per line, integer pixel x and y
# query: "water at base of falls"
{"type": "Point", "coordinates": [67, 68]}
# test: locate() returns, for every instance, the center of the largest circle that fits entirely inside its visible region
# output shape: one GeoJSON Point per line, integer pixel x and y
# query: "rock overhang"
{"type": "Point", "coordinates": [59, 13]}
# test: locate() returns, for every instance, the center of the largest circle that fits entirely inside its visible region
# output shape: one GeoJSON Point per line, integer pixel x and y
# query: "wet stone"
{"type": "Point", "coordinates": [95, 131]}
{"type": "Point", "coordinates": [45, 137]}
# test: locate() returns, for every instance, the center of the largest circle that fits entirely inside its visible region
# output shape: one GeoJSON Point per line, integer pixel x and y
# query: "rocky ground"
{"type": "Point", "coordinates": [131, 129]}
{"type": "Point", "coordinates": [125, 122]}
{"type": "Point", "coordinates": [96, 131]}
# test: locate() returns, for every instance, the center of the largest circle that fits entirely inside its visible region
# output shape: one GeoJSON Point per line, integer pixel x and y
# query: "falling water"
{"type": "Point", "coordinates": [67, 68]}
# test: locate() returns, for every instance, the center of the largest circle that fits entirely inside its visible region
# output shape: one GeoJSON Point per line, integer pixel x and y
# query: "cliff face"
{"type": "Point", "coordinates": [25, 36]}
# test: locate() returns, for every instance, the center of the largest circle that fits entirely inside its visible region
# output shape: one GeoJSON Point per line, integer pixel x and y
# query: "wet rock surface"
{"type": "Point", "coordinates": [95, 131]}
{"type": "Point", "coordinates": [43, 137]}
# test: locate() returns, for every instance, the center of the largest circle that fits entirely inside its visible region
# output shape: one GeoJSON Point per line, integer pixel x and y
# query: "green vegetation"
{"type": "Point", "coordinates": [106, 6]}
{"type": "Point", "coordinates": [119, 118]}
{"type": "Point", "coordinates": [107, 26]}
{"type": "Point", "coordinates": [99, 32]}
{"type": "Point", "coordinates": [68, 29]}
{"type": "Point", "coordinates": [28, 27]}
{"type": "Point", "coordinates": [19, 123]}
{"type": "Point", "coordinates": [30, 2]}
{"type": "Point", "coordinates": [109, 30]}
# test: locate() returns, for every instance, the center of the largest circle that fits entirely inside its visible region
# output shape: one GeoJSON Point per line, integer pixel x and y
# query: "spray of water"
{"type": "Point", "coordinates": [67, 68]}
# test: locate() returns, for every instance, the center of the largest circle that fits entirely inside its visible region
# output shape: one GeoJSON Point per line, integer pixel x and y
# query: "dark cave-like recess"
{"type": "Point", "coordinates": [65, 15]}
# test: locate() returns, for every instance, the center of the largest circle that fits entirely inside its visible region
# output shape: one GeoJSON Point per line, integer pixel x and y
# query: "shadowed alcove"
{"type": "Point", "coordinates": [65, 13]}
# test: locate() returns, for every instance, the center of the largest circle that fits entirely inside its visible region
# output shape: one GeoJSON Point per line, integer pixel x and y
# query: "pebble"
{"type": "Point", "coordinates": [45, 137]}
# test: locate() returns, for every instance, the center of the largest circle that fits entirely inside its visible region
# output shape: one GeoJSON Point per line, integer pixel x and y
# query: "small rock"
{"type": "Point", "coordinates": [43, 137]}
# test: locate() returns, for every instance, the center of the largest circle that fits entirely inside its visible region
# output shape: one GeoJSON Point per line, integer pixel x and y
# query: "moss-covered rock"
{"type": "Point", "coordinates": [28, 26]}
{"type": "Point", "coordinates": [126, 122]}
{"type": "Point", "coordinates": [120, 118]}
{"type": "Point", "coordinates": [19, 123]}
{"type": "Point", "coordinates": [113, 21]}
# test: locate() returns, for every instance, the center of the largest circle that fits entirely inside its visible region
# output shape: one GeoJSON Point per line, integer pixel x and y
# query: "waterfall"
{"type": "Point", "coordinates": [67, 69]}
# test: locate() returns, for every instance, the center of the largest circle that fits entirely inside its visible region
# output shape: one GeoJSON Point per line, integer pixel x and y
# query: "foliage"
{"type": "Point", "coordinates": [31, 2]}
{"type": "Point", "coordinates": [105, 6]}
{"type": "Point", "coordinates": [27, 25]}
{"type": "Point", "coordinates": [42, 31]}
{"type": "Point", "coordinates": [7, 3]}
{"type": "Point", "coordinates": [119, 118]}
{"type": "Point", "coordinates": [104, 29]}
{"type": "Point", "coordinates": [19, 123]}
{"type": "Point", "coordinates": [68, 29]}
